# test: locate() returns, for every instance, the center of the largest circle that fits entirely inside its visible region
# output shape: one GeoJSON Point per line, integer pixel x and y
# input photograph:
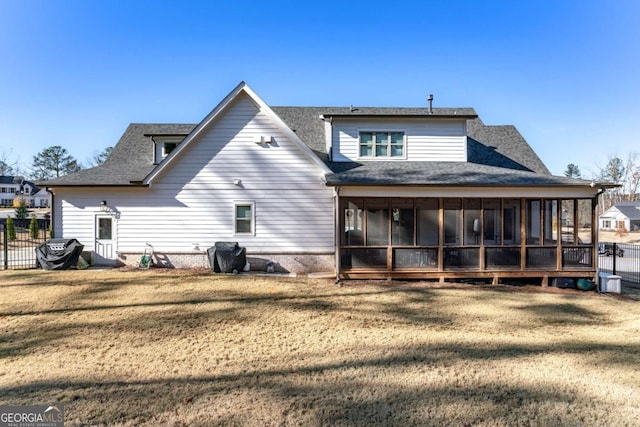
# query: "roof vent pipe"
{"type": "Point", "coordinates": [430, 99]}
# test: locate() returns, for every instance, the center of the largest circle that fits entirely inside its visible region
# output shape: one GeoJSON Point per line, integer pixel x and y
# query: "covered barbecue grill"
{"type": "Point", "coordinates": [59, 254]}
{"type": "Point", "coordinates": [227, 257]}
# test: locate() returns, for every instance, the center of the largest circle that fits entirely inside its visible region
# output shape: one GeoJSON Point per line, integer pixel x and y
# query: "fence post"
{"type": "Point", "coordinates": [615, 256]}
{"type": "Point", "coordinates": [5, 245]}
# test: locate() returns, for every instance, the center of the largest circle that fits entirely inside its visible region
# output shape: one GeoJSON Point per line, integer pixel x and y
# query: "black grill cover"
{"type": "Point", "coordinates": [59, 254]}
{"type": "Point", "coordinates": [227, 257]}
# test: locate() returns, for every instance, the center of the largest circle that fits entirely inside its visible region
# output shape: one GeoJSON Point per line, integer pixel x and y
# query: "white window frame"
{"type": "Point", "coordinates": [165, 153]}
{"type": "Point", "coordinates": [252, 205]}
{"type": "Point", "coordinates": [160, 149]}
{"type": "Point", "coordinates": [388, 157]}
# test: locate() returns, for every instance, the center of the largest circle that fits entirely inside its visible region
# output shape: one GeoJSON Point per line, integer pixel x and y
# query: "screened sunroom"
{"type": "Point", "coordinates": [456, 237]}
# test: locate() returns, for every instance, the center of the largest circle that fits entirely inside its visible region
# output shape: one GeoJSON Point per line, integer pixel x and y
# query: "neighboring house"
{"type": "Point", "coordinates": [365, 192]}
{"type": "Point", "coordinates": [622, 214]}
{"type": "Point", "coordinates": [16, 186]}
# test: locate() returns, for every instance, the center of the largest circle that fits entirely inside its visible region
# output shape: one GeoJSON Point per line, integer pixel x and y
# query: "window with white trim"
{"type": "Point", "coordinates": [382, 144]}
{"type": "Point", "coordinates": [244, 217]}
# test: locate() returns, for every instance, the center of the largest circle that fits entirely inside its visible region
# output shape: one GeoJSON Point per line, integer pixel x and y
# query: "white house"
{"type": "Point", "coordinates": [16, 186]}
{"type": "Point", "coordinates": [9, 187]}
{"type": "Point", "coordinates": [622, 214]}
{"type": "Point", "coordinates": [362, 192]}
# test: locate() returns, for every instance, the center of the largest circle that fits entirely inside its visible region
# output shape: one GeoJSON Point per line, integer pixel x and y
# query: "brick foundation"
{"type": "Point", "coordinates": [280, 263]}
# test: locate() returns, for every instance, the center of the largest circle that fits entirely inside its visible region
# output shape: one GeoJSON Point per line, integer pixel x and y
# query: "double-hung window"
{"type": "Point", "coordinates": [244, 218]}
{"type": "Point", "coordinates": [382, 144]}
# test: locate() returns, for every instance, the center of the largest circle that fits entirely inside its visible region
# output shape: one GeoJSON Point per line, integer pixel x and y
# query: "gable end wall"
{"type": "Point", "coordinates": [192, 202]}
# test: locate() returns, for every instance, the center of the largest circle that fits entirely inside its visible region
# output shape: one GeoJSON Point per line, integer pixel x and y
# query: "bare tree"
{"type": "Point", "coordinates": [8, 166]}
{"type": "Point", "coordinates": [631, 177]}
{"type": "Point", "coordinates": [99, 158]}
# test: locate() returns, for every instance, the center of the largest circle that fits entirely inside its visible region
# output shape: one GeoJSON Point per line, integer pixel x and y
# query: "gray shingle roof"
{"type": "Point", "coordinates": [439, 173]}
{"type": "Point", "coordinates": [498, 155]}
{"type": "Point", "coordinates": [501, 146]}
{"type": "Point", "coordinates": [629, 209]}
{"type": "Point", "coordinates": [130, 161]}
{"type": "Point", "coordinates": [18, 180]}
{"type": "Point", "coordinates": [8, 179]}
{"type": "Point", "coordinates": [398, 111]}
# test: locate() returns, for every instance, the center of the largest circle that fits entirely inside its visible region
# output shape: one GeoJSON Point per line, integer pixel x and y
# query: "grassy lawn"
{"type": "Point", "coordinates": [185, 348]}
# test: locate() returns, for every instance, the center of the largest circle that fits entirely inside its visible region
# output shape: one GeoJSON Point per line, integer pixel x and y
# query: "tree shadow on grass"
{"type": "Point", "coordinates": [324, 391]}
{"type": "Point", "coordinates": [348, 392]}
{"type": "Point", "coordinates": [564, 314]}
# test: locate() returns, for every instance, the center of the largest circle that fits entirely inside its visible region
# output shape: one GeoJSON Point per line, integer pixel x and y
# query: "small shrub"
{"type": "Point", "coordinates": [11, 229]}
{"type": "Point", "coordinates": [34, 230]}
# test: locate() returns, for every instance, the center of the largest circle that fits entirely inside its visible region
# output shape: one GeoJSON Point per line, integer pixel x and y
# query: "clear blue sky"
{"type": "Point", "coordinates": [566, 73]}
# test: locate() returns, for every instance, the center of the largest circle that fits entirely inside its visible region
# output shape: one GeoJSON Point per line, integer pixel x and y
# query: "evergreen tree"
{"type": "Point", "coordinates": [54, 162]}
{"type": "Point", "coordinates": [34, 230]}
{"type": "Point", "coordinates": [21, 211]}
{"type": "Point", "coordinates": [573, 171]}
{"type": "Point", "coordinates": [11, 229]}
{"type": "Point", "coordinates": [614, 170]}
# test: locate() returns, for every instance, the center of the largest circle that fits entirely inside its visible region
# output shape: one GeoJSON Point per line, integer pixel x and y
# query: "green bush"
{"type": "Point", "coordinates": [11, 229]}
{"type": "Point", "coordinates": [34, 230]}
{"type": "Point", "coordinates": [22, 211]}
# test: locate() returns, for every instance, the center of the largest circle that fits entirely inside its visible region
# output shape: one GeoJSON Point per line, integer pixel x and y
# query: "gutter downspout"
{"type": "Point", "coordinates": [336, 238]}
{"type": "Point", "coordinates": [596, 198]}
{"type": "Point", "coordinates": [51, 218]}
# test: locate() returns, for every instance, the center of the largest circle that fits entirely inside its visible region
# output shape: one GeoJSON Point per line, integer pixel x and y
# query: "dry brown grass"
{"type": "Point", "coordinates": [184, 348]}
{"type": "Point", "coordinates": [611, 236]}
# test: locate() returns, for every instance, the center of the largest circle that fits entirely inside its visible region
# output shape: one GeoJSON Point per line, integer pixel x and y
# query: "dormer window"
{"type": "Point", "coordinates": [164, 145]}
{"type": "Point", "coordinates": [382, 144]}
{"type": "Point", "coordinates": [167, 148]}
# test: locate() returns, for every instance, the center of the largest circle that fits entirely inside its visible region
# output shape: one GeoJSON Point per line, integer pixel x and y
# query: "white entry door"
{"type": "Point", "coordinates": [105, 248]}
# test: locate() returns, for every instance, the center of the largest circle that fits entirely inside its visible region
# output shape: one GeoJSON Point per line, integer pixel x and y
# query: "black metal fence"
{"type": "Point", "coordinates": [18, 243]}
{"type": "Point", "coordinates": [621, 259]}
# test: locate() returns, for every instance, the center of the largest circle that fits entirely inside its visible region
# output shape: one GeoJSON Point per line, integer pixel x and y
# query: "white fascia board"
{"type": "Point", "coordinates": [467, 191]}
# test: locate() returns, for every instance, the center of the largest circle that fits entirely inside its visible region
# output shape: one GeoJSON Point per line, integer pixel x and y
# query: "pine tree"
{"type": "Point", "coordinates": [21, 211]}
{"type": "Point", "coordinates": [54, 162]}
{"type": "Point", "coordinates": [573, 171]}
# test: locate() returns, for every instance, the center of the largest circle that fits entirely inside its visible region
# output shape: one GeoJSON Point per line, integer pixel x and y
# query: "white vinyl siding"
{"type": "Point", "coordinates": [425, 139]}
{"type": "Point", "coordinates": [193, 199]}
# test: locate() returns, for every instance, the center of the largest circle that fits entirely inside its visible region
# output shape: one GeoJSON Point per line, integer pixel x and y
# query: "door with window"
{"type": "Point", "coordinates": [105, 246]}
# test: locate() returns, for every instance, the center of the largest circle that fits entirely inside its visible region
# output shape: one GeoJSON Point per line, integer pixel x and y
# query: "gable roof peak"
{"type": "Point", "coordinates": [201, 127]}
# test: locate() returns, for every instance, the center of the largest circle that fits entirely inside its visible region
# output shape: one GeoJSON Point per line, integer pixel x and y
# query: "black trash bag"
{"type": "Point", "coordinates": [227, 257]}
{"type": "Point", "coordinates": [59, 254]}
